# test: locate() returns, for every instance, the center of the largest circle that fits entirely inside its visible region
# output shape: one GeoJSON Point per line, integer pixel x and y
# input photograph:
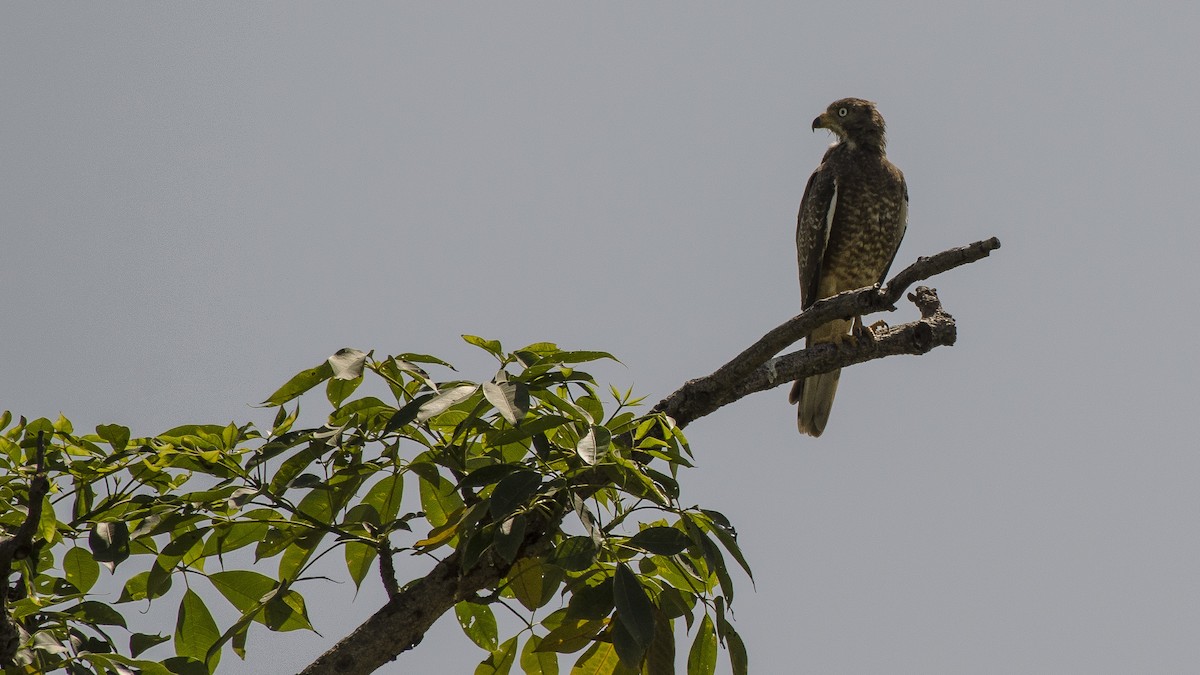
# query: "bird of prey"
{"type": "Point", "coordinates": [852, 218]}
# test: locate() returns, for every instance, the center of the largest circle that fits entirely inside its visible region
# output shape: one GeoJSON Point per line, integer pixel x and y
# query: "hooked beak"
{"type": "Point", "coordinates": [820, 122]}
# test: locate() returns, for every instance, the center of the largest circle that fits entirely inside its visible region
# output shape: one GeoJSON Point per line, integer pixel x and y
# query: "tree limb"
{"type": "Point", "coordinates": [18, 547]}
{"type": "Point", "coordinates": [401, 624]}
{"type": "Point", "coordinates": [731, 381]}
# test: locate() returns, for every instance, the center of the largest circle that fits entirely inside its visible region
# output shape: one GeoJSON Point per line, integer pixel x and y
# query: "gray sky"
{"type": "Point", "coordinates": [200, 200]}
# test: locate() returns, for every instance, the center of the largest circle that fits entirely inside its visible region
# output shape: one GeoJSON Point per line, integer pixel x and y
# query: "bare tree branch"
{"type": "Point", "coordinates": [702, 396]}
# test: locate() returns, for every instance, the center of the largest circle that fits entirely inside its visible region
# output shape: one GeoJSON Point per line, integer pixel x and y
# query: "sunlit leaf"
{"type": "Point", "coordinates": [702, 657]}
{"type": "Point", "coordinates": [439, 500]}
{"type": "Point", "coordinates": [600, 659]}
{"type": "Point", "coordinates": [360, 559]}
{"type": "Point", "coordinates": [300, 383]}
{"type": "Point", "coordinates": [479, 623]}
{"type": "Point", "coordinates": [80, 568]}
{"type": "Point", "coordinates": [195, 630]}
{"type": "Point", "coordinates": [500, 661]}
{"type": "Point", "coordinates": [535, 662]}
{"type": "Point", "coordinates": [385, 496]}
{"type": "Point", "coordinates": [114, 434]}
{"type": "Point", "coordinates": [491, 346]}
{"type": "Point", "coordinates": [244, 589]}
{"type": "Point", "coordinates": [571, 636]}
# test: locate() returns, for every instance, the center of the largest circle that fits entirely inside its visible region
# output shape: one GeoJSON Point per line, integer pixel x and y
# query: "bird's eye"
{"type": "Point", "coordinates": [842, 112]}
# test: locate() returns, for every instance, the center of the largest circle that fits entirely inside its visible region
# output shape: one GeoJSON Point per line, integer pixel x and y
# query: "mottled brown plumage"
{"type": "Point", "coordinates": [852, 218]}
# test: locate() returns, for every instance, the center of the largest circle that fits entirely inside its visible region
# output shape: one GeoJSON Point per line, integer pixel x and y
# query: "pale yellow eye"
{"type": "Point", "coordinates": [842, 112]}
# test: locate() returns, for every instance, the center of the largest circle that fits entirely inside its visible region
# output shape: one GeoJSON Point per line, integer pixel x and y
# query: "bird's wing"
{"type": "Point", "coordinates": [902, 219]}
{"type": "Point", "coordinates": [813, 225]}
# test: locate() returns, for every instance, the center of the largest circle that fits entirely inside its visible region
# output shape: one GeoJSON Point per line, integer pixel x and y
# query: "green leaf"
{"type": "Point", "coordinates": [359, 560]}
{"type": "Point", "coordinates": [491, 346]}
{"type": "Point", "coordinates": [244, 589]}
{"type": "Point", "coordinates": [728, 539]}
{"type": "Point", "coordinates": [149, 585]}
{"type": "Point", "coordinates": [570, 636]}
{"type": "Point", "coordinates": [509, 536]}
{"type": "Point", "coordinates": [629, 651]}
{"type": "Point", "coordinates": [514, 491]}
{"type": "Point", "coordinates": [195, 630]}
{"type": "Point", "coordinates": [103, 663]}
{"type": "Point", "coordinates": [488, 474]}
{"type": "Point", "coordinates": [439, 500]}
{"type": "Point", "coordinates": [140, 642]}
{"type": "Point", "coordinates": [226, 538]}
{"type": "Point", "coordinates": [575, 554]}
{"type": "Point", "coordinates": [511, 399]}
{"type": "Point", "coordinates": [97, 613]}
{"type": "Point", "coordinates": [109, 542]}
{"type": "Point", "coordinates": [385, 497]}
{"type": "Point", "coordinates": [634, 609]}
{"type": "Point", "coordinates": [738, 658]}
{"type": "Point", "coordinates": [115, 435]}
{"type": "Point", "coordinates": [80, 568]}
{"type": "Point", "coordinates": [535, 662]}
{"type": "Point", "coordinates": [660, 657]}
{"type": "Point", "coordinates": [479, 623]}
{"type": "Point", "coordinates": [500, 661]}
{"type": "Point", "coordinates": [600, 659]}
{"type": "Point", "coordinates": [337, 391]}
{"type": "Point", "coordinates": [300, 383]}
{"type": "Point", "coordinates": [702, 657]}
{"type": "Point", "coordinates": [593, 445]}
{"type": "Point", "coordinates": [593, 407]}
{"type": "Point", "coordinates": [660, 540]}
{"type": "Point", "coordinates": [444, 401]}
{"type": "Point", "coordinates": [526, 581]}
{"type": "Point", "coordinates": [185, 665]}
{"type": "Point", "coordinates": [286, 612]}
{"type": "Point", "coordinates": [592, 602]}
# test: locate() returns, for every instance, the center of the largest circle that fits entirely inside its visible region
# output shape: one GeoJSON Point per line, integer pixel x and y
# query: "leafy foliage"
{"type": "Point", "coordinates": [579, 502]}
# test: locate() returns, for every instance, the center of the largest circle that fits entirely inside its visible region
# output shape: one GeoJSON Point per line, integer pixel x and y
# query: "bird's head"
{"type": "Point", "coordinates": [855, 121]}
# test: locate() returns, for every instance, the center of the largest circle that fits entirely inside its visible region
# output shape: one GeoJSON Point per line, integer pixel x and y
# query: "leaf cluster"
{"type": "Point", "coordinates": [574, 494]}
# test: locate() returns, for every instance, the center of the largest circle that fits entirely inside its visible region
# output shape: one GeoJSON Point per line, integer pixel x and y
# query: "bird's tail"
{"type": "Point", "coordinates": [815, 393]}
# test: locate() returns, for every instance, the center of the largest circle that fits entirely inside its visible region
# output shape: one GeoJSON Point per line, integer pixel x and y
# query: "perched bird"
{"type": "Point", "coordinates": [852, 218]}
